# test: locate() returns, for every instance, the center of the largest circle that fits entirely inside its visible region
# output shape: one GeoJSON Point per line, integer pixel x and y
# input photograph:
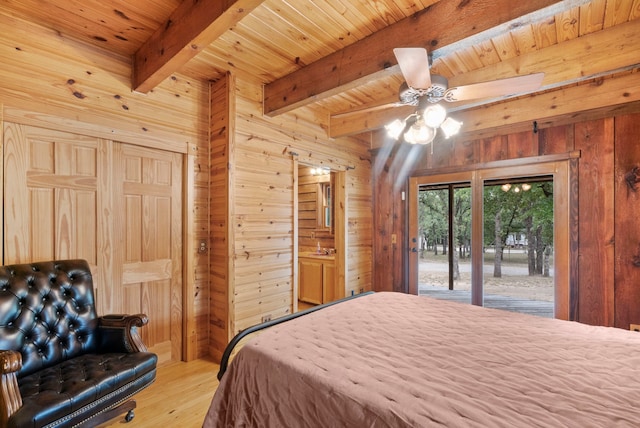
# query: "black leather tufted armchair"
{"type": "Point", "coordinates": [60, 364]}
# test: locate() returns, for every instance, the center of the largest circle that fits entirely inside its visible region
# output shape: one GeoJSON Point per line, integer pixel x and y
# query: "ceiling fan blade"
{"type": "Point", "coordinates": [495, 88]}
{"type": "Point", "coordinates": [414, 64]}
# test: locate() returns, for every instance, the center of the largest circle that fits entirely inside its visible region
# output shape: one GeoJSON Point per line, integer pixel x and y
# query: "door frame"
{"type": "Point", "coordinates": [339, 226]}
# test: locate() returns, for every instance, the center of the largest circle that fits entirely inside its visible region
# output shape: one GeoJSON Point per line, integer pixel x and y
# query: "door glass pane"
{"type": "Point", "coordinates": [518, 245]}
{"type": "Point", "coordinates": [444, 242]}
{"type": "Point", "coordinates": [461, 250]}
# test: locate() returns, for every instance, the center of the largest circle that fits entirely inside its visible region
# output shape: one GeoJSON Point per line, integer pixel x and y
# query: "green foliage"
{"type": "Point", "coordinates": [433, 208]}
{"type": "Point", "coordinates": [462, 216]}
{"type": "Point", "coordinates": [433, 214]}
{"type": "Point", "coordinates": [516, 210]}
{"type": "Point", "coordinates": [541, 209]}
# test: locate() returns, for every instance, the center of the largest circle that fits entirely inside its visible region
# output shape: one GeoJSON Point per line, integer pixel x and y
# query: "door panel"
{"type": "Point", "coordinates": [414, 238]}
{"type": "Point", "coordinates": [150, 198]}
{"type": "Point", "coordinates": [51, 196]}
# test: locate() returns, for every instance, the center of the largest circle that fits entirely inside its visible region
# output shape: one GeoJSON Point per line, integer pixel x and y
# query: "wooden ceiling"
{"type": "Point", "coordinates": [337, 55]}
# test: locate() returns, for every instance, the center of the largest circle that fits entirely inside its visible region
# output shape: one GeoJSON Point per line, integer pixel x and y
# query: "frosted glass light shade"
{"type": "Point", "coordinates": [434, 115]}
{"type": "Point", "coordinates": [450, 127]}
{"type": "Point", "coordinates": [394, 128]}
{"type": "Point", "coordinates": [420, 133]}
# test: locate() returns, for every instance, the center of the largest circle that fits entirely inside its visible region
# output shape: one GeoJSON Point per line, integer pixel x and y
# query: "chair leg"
{"type": "Point", "coordinates": [126, 407]}
{"type": "Point", "coordinates": [129, 416]}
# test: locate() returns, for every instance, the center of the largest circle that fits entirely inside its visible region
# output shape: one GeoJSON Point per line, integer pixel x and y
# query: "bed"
{"type": "Point", "coordinates": [396, 360]}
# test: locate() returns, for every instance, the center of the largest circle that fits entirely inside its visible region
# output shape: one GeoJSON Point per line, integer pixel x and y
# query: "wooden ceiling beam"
{"type": "Point", "coordinates": [597, 54]}
{"type": "Point", "coordinates": [447, 25]}
{"type": "Point", "coordinates": [190, 28]}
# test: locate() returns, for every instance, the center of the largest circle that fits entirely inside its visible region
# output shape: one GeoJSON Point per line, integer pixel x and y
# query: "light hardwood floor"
{"type": "Point", "coordinates": [179, 397]}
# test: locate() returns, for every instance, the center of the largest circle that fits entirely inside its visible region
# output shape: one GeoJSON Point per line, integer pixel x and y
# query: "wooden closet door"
{"type": "Point", "coordinates": [117, 206]}
{"type": "Point", "coordinates": [149, 219]}
{"type": "Point", "coordinates": [52, 197]}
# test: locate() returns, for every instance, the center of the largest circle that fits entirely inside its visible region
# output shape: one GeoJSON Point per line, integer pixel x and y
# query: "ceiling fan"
{"type": "Point", "coordinates": [426, 90]}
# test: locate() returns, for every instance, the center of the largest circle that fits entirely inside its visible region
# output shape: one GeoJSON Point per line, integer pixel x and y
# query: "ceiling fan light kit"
{"type": "Point", "coordinates": [419, 133]}
{"type": "Point", "coordinates": [422, 127]}
{"type": "Point", "coordinates": [421, 89]}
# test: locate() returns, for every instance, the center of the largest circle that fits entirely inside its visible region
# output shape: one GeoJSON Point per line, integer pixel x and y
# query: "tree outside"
{"type": "Point", "coordinates": [518, 238]}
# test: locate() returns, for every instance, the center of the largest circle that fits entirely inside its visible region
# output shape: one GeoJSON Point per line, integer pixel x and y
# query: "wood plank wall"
{"type": "Point", "coordinates": [263, 220]}
{"type": "Point", "coordinates": [625, 178]}
{"type": "Point", "coordinates": [197, 225]}
{"type": "Point", "coordinates": [261, 206]}
{"type": "Point", "coordinates": [86, 91]}
{"type": "Point", "coordinates": [221, 171]}
{"type": "Point", "coordinates": [608, 203]}
{"type": "Point", "coordinates": [359, 239]}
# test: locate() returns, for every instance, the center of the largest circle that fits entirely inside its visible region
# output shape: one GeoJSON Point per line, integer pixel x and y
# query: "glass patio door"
{"type": "Point", "coordinates": [497, 237]}
{"type": "Point", "coordinates": [444, 241]}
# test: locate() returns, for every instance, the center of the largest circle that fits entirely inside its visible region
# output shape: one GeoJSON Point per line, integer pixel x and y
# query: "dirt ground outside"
{"type": "Point", "coordinates": [515, 281]}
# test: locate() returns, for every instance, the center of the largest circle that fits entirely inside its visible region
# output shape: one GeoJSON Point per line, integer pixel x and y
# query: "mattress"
{"type": "Point", "coordinates": [396, 360]}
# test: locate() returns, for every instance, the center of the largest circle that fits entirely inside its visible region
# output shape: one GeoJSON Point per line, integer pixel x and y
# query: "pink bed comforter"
{"type": "Point", "coordinates": [396, 360]}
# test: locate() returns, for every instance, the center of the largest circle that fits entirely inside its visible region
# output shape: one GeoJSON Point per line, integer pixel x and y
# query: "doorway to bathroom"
{"type": "Point", "coordinates": [319, 255]}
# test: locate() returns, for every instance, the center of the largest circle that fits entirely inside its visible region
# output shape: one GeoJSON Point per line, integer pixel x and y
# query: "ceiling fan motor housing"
{"type": "Point", "coordinates": [408, 95]}
{"type": "Point", "coordinates": [439, 85]}
{"type": "Point", "coordinates": [434, 93]}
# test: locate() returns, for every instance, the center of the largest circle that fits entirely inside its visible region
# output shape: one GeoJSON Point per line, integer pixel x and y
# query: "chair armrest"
{"type": "Point", "coordinates": [10, 398]}
{"type": "Point", "coordinates": [119, 333]}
